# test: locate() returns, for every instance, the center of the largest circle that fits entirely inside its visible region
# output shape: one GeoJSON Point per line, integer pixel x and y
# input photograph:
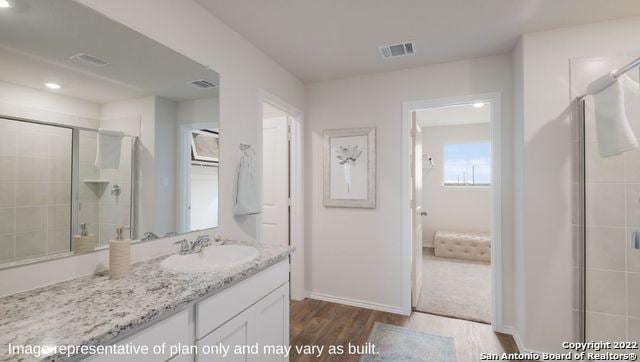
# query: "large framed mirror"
{"type": "Point", "coordinates": [100, 127]}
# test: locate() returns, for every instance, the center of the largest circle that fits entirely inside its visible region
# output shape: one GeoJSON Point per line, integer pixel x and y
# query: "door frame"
{"type": "Point", "coordinates": [496, 195]}
{"type": "Point", "coordinates": [418, 281]}
{"type": "Point", "coordinates": [296, 210]}
{"type": "Point", "coordinates": [184, 161]}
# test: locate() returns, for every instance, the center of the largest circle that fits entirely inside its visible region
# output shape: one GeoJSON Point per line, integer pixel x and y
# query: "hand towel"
{"type": "Point", "coordinates": [109, 148]}
{"type": "Point", "coordinates": [608, 108]}
{"type": "Point", "coordinates": [247, 202]}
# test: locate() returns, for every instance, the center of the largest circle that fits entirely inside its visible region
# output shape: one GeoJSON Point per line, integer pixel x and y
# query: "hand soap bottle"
{"type": "Point", "coordinates": [84, 242]}
{"type": "Point", "coordinates": [119, 255]}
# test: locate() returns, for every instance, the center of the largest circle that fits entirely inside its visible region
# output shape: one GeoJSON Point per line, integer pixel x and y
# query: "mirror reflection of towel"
{"type": "Point", "coordinates": [608, 108]}
{"type": "Point", "coordinates": [247, 202]}
{"type": "Point", "coordinates": [109, 148]}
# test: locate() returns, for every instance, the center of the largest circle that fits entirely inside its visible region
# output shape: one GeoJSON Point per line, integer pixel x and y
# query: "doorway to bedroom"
{"type": "Point", "coordinates": [453, 201]}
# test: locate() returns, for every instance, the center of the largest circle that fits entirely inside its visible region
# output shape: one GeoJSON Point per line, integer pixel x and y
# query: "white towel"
{"type": "Point", "coordinates": [109, 148]}
{"type": "Point", "coordinates": [607, 106]}
{"type": "Point", "coordinates": [247, 202]}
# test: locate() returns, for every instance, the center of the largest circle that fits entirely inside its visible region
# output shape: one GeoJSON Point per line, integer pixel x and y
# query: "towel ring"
{"type": "Point", "coordinates": [247, 150]}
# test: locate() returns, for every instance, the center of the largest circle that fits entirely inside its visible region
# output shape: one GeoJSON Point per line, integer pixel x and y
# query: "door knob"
{"type": "Point", "coordinates": [423, 213]}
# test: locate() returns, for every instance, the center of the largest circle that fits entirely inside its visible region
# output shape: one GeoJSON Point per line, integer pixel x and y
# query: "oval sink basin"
{"type": "Point", "coordinates": [210, 259]}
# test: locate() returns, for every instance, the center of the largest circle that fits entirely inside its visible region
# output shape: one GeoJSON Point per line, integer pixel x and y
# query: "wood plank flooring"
{"type": "Point", "coordinates": [314, 322]}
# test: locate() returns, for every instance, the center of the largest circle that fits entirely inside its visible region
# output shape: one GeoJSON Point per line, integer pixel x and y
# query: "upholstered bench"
{"type": "Point", "coordinates": [463, 245]}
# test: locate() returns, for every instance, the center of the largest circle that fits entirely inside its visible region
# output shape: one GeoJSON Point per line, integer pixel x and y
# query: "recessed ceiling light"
{"type": "Point", "coordinates": [52, 85]}
{"type": "Point", "coordinates": [5, 4]}
{"type": "Point", "coordinates": [478, 105]}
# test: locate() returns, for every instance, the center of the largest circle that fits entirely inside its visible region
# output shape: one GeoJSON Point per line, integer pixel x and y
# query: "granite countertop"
{"type": "Point", "coordinates": [95, 310]}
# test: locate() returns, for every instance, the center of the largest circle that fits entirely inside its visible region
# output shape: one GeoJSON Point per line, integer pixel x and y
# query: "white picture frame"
{"type": "Point", "coordinates": [350, 168]}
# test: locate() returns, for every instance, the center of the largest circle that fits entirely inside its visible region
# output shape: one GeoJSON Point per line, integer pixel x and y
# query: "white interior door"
{"type": "Point", "coordinates": [275, 181]}
{"type": "Point", "coordinates": [416, 209]}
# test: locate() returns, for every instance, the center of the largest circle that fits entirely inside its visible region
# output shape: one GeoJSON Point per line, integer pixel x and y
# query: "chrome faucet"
{"type": "Point", "coordinates": [193, 247]}
{"type": "Point", "coordinates": [200, 243]}
{"type": "Point", "coordinates": [184, 247]}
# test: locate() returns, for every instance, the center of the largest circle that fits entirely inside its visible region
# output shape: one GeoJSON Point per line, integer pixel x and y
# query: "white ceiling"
{"type": "Point", "coordinates": [328, 39]}
{"type": "Point", "coordinates": [453, 116]}
{"type": "Point", "coordinates": [38, 37]}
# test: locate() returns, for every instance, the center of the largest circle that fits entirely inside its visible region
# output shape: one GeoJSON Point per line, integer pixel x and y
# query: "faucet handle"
{"type": "Point", "coordinates": [184, 246]}
{"type": "Point", "coordinates": [205, 240]}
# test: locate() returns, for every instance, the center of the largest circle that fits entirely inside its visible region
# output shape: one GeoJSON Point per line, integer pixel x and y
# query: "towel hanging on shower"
{"type": "Point", "coordinates": [247, 202]}
{"type": "Point", "coordinates": [109, 148]}
{"type": "Point", "coordinates": [607, 108]}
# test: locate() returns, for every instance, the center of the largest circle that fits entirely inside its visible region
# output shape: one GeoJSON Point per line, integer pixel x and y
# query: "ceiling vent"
{"type": "Point", "coordinates": [397, 50]}
{"type": "Point", "coordinates": [87, 59]}
{"type": "Point", "coordinates": [202, 84]}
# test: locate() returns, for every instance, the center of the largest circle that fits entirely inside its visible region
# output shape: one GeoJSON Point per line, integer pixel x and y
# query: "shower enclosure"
{"type": "Point", "coordinates": [607, 218]}
{"type": "Point", "coordinates": [105, 197]}
{"type": "Point", "coordinates": [49, 185]}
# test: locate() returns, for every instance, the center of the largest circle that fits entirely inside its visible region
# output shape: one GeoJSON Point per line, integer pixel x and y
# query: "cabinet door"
{"type": "Point", "coordinates": [270, 324]}
{"type": "Point", "coordinates": [263, 325]}
{"type": "Point", "coordinates": [231, 334]}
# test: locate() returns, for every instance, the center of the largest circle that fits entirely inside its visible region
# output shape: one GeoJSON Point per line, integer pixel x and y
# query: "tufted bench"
{"type": "Point", "coordinates": [463, 245]}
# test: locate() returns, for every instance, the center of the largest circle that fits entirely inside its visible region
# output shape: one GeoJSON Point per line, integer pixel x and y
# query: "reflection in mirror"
{"type": "Point", "coordinates": [100, 127]}
{"type": "Point", "coordinates": [104, 188]}
{"type": "Point", "coordinates": [202, 210]}
{"type": "Point", "coordinates": [35, 189]}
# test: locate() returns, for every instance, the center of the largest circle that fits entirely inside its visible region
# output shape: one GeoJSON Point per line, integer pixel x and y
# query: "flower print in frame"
{"type": "Point", "coordinates": [350, 168]}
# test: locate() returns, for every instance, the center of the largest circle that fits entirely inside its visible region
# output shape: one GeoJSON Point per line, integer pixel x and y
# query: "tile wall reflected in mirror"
{"type": "Point", "coordinates": [56, 104]}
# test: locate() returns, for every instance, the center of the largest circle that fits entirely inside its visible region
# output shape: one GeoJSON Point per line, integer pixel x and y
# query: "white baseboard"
{"type": "Point", "coordinates": [356, 303]}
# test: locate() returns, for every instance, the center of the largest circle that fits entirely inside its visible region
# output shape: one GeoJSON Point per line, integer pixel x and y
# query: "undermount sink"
{"type": "Point", "coordinates": [210, 259]}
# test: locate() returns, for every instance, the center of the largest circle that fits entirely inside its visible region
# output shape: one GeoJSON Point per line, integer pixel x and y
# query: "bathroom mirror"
{"type": "Point", "coordinates": [100, 127]}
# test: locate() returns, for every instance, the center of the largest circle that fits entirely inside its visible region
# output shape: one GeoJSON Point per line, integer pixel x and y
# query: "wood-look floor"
{"type": "Point", "coordinates": [316, 322]}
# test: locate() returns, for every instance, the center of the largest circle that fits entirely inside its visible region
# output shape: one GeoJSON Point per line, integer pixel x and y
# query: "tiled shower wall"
{"type": "Point", "coordinates": [102, 210]}
{"type": "Point", "coordinates": [35, 190]}
{"type": "Point", "coordinates": [612, 193]}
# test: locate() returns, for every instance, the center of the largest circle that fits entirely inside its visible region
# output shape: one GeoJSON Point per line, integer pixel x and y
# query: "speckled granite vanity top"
{"type": "Point", "coordinates": [95, 310]}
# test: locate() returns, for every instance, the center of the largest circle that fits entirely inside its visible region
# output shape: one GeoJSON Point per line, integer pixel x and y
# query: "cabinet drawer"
{"type": "Point", "coordinates": [219, 308]}
{"type": "Point", "coordinates": [172, 330]}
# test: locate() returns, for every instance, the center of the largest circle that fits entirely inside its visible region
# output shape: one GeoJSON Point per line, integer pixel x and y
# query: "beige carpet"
{"type": "Point", "coordinates": [455, 288]}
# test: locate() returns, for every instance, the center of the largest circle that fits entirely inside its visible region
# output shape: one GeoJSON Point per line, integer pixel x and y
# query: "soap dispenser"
{"type": "Point", "coordinates": [119, 255]}
{"type": "Point", "coordinates": [85, 242]}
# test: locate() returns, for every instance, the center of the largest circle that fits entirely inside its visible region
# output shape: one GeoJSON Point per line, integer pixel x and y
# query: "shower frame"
{"type": "Point", "coordinates": [75, 177]}
{"type": "Point", "coordinates": [581, 184]}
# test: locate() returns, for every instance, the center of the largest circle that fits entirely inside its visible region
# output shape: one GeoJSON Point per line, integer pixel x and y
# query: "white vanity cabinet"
{"type": "Point", "coordinates": [253, 311]}
{"type": "Point", "coordinates": [265, 323]}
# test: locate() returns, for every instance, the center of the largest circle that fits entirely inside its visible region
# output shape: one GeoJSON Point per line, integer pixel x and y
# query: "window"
{"type": "Point", "coordinates": [467, 164]}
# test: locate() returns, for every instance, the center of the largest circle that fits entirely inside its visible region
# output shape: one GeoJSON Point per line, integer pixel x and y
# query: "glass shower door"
{"type": "Point", "coordinates": [35, 190]}
{"type": "Point", "coordinates": [608, 218]}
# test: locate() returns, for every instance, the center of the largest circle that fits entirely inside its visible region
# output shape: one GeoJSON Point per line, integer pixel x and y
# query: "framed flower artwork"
{"type": "Point", "coordinates": [350, 167]}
